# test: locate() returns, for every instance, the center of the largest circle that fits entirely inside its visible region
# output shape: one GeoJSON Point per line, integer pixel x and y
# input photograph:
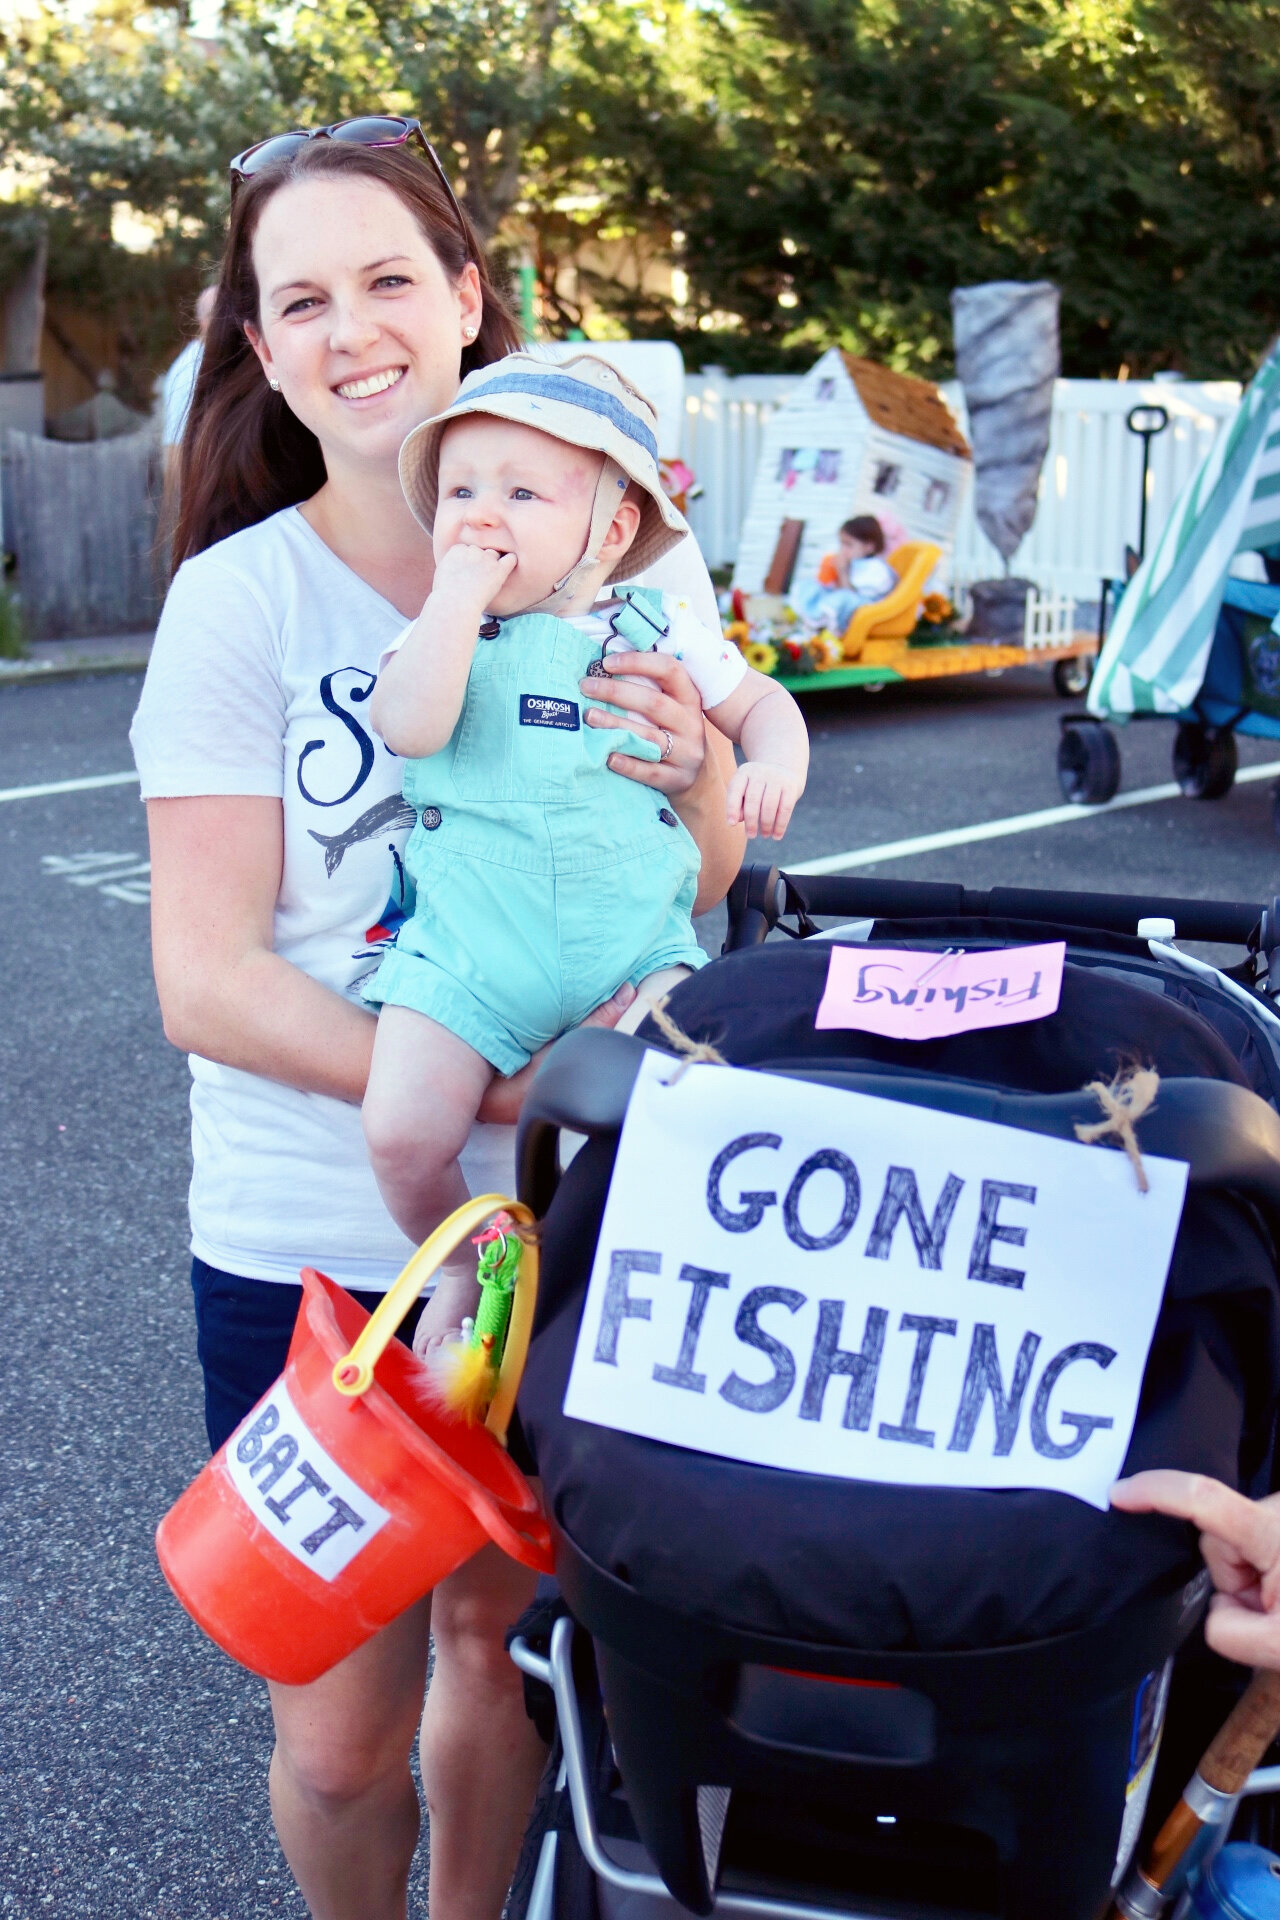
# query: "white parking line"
{"type": "Point", "coordinates": [121, 876]}
{"type": "Point", "coordinates": [69, 786]}
{"type": "Point", "coordinates": [1013, 823]}
{"type": "Point", "coordinates": [834, 862]}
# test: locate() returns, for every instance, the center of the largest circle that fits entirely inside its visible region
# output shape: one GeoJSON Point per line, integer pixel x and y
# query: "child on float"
{"type": "Point", "coordinates": [542, 879]}
{"type": "Point", "coordinates": [851, 577]}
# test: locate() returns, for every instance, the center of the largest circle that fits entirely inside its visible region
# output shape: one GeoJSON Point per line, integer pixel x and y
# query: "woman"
{"type": "Point", "coordinates": [353, 293]}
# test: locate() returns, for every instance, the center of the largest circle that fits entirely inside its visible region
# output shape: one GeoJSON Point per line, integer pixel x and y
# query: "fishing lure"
{"type": "Point", "coordinates": [466, 1371]}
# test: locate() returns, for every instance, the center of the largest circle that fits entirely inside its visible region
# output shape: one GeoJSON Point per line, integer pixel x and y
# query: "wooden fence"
{"type": "Point", "coordinates": [81, 521]}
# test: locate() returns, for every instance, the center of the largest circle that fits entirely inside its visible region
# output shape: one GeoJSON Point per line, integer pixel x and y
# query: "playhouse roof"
{"type": "Point", "coordinates": [899, 403]}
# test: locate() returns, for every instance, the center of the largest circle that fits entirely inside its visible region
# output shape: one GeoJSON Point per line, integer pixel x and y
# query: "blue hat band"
{"type": "Point", "coordinates": [573, 393]}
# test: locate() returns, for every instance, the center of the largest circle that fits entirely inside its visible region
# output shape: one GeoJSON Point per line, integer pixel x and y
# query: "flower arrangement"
{"type": "Point", "coordinates": [779, 645]}
{"type": "Point", "coordinates": [939, 619]}
{"type": "Point", "coordinates": [826, 651]}
{"type": "Point", "coordinates": [761, 655]}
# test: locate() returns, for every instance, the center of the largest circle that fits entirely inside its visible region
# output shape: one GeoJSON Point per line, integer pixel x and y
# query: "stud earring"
{"type": "Point", "coordinates": [274, 385]}
{"type": "Point", "coordinates": [470, 332]}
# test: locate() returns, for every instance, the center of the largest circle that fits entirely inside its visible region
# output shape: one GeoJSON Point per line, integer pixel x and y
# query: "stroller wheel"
{"type": "Point", "coordinates": [1071, 677]}
{"type": "Point", "coordinates": [1204, 760]}
{"type": "Point", "coordinates": [1088, 763]}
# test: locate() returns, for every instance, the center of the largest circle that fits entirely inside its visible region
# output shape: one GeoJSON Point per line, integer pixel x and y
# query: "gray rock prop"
{"type": "Point", "coordinates": [1006, 340]}
{"type": "Point", "coordinates": [999, 610]}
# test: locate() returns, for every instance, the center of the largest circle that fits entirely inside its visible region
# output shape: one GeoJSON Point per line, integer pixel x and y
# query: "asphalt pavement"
{"type": "Point", "coordinates": [134, 1754]}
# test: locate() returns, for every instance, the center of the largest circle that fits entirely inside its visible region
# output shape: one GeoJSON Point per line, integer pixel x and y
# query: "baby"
{"type": "Point", "coordinates": [543, 880]}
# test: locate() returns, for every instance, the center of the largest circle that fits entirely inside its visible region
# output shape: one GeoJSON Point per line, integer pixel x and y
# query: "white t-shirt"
{"type": "Point", "coordinates": [263, 664]}
{"type": "Point", "coordinates": [176, 389]}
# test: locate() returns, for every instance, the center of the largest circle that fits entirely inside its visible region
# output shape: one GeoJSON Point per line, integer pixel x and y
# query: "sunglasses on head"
{"type": "Point", "coordinates": [370, 130]}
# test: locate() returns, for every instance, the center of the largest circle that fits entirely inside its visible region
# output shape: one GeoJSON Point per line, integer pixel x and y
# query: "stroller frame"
{"type": "Point", "coordinates": [1225, 1134]}
{"type": "Point", "coordinates": [556, 1672]}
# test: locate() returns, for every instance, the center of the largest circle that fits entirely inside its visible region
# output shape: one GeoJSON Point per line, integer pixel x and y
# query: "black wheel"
{"type": "Point", "coordinates": [1088, 763]}
{"type": "Point", "coordinates": [1204, 760]}
{"type": "Point", "coordinates": [1071, 677]}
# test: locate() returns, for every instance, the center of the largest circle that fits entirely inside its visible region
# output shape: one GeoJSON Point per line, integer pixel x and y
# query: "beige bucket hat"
{"type": "Point", "coordinates": [583, 401]}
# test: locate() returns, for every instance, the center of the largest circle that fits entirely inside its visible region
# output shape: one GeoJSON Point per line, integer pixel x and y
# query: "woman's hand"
{"type": "Point", "coordinates": [661, 704]}
{"type": "Point", "coordinates": [659, 699]}
{"type": "Point", "coordinates": [1240, 1541]}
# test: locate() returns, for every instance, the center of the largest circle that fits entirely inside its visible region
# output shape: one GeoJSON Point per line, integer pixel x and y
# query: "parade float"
{"type": "Point", "coordinates": [857, 438]}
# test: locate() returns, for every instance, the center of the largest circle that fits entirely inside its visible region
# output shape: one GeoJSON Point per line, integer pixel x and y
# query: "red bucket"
{"type": "Point", "coordinates": [347, 1494]}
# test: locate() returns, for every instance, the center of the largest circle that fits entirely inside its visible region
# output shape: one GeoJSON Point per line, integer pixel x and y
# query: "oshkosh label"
{"type": "Point", "coordinates": [540, 710]}
{"type": "Point", "coordinates": [297, 1491]}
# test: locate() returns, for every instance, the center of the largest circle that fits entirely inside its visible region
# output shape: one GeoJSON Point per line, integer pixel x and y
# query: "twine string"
{"type": "Point", "coordinates": [690, 1051]}
{"type": "Point", "coordinates": [1124, 1100]}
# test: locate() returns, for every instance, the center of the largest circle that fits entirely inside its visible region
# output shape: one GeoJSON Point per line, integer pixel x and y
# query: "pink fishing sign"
{"type": "Point", "coordinates": [922, 996]}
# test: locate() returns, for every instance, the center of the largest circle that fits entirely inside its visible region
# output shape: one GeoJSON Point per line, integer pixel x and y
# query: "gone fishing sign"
{"type": "Point", "coordinates": [834, 1283]}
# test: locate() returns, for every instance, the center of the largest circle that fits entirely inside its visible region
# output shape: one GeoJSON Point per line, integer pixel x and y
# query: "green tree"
{"type": "Point", "coordinates": [547, 118]}
{"type": "Point", "coordinates": [820, 170]}
{"type": "Point", "coordinates": [99, 116]}
{"type": "Point", "coordinates": [872, 154]}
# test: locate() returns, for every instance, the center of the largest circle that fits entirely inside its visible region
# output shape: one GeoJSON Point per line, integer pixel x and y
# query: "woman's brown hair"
{"type": "Point", "coordinates": [245, 455]}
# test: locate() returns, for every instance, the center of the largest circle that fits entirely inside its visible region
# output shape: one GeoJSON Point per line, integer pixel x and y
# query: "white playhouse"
{"type": "Point", "coordinates": [851, 438]}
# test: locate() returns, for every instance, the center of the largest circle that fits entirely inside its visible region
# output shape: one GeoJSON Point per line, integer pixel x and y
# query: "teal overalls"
{"type": "Point", "coordinates": [542, 879]}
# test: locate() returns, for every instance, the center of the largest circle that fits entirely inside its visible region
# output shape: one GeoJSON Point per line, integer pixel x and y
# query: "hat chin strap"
{"type": "Point", "coordinates": [610, 488]}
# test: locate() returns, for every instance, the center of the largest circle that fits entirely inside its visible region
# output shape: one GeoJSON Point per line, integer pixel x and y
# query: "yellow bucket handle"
{"type": "Point", "coordinates": [354, 1375]}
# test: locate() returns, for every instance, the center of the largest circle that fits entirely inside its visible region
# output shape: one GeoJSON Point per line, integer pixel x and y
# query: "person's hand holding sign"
{"type": "Point", "coordinates": [1240, 1541]}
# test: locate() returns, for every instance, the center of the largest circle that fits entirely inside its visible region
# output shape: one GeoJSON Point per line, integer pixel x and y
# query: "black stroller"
{"type": "Point", "coordinates": [765, 1698]}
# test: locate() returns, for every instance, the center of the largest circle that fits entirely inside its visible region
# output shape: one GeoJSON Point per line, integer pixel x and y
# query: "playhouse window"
{"type": "Point", "coordinates": [887, 480]}
{"type": "Point", "coordinates": [826, 469]}
{"type": "Point", "coordinates": [801, 463]}
{"type": "Point", "coordinates": [826, 390]}
{"type": "Point", "coordinates": [936, 496]}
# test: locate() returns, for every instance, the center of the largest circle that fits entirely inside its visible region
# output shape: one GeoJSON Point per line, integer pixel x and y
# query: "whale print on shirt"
{"type": "Point", "coordinates": [388, 815]}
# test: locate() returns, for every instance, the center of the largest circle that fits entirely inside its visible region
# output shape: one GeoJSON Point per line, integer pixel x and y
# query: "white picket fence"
{"type": "Point", "coordinates": [1089, 488]}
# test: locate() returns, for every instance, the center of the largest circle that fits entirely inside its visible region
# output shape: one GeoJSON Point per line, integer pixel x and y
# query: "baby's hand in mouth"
{"type": "Point", "coordinates": [472, 573]}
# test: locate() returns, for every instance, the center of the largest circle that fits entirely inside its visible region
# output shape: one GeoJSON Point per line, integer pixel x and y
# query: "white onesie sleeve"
{"type": "Point", "coordinates": [390, 652]}
{"type": "Point", "coordinates": [713, 663]}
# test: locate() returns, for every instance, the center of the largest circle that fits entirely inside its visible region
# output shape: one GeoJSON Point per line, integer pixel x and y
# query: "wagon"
{"type": "Point", "coordinates": [1190, 643]}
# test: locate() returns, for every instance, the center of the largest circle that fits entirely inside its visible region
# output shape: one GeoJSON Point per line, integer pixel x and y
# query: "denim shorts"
{"type": "Point", "coordinates": [243, 1330]}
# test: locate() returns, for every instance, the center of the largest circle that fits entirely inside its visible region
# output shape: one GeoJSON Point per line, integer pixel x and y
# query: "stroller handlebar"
{"type": "Point", "coordinates": [760, 895]}
{"type": "Point", "coordinates": [1228, 1136]}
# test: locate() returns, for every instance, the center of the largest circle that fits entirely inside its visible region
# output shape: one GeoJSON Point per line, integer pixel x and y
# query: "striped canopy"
{"type": "Point", "coordinates": [1153, 660]}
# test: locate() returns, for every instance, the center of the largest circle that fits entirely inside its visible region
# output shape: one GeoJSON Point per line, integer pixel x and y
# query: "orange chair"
{"type": "Point", "coordinates": [894, 617]}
